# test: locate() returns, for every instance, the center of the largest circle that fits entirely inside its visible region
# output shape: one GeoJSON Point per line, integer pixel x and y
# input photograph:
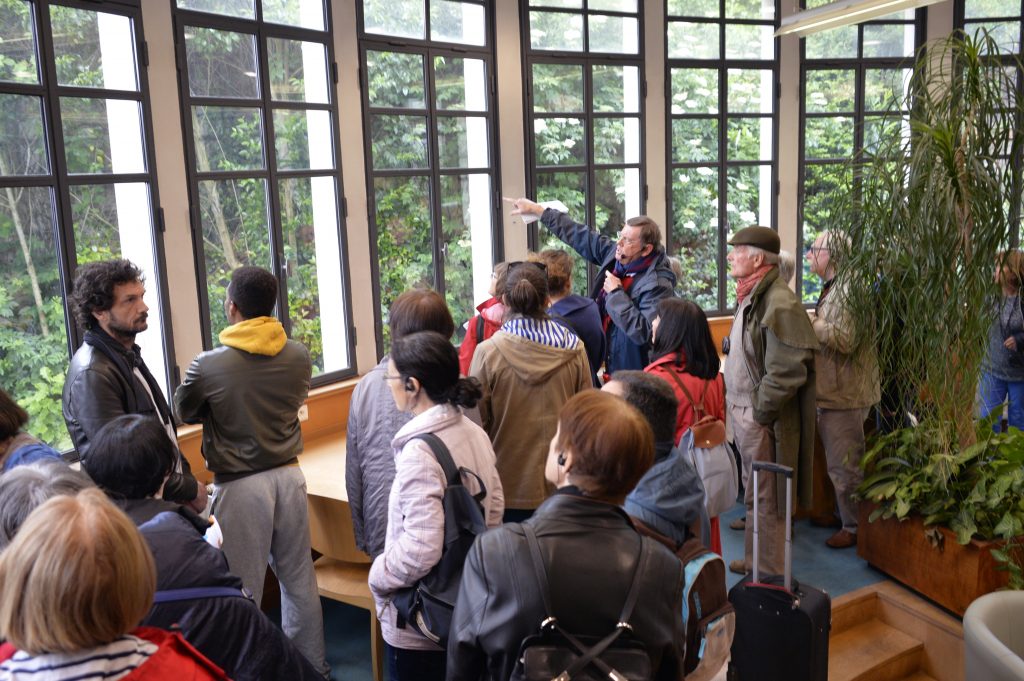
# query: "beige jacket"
{"type": "Point", "coordinates": [843, 381]}
{"type": "Point", "coordinates": [525, 385]}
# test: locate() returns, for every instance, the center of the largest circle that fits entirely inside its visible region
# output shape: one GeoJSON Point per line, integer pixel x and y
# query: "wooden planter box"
{"type": "Point", "coordinates": [949, 574]}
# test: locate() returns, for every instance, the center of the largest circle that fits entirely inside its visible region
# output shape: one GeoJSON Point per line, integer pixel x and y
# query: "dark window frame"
{"type": "Point", "coordinates": [59, 181]}
{"type": "Point", "coordinates": [587, 60]}
{"type": "Point", "coordinates": [721, 65]}
{"type": "Point", "coordinates": [270, 173]}
{"type": "Point", "coordinates": [430, 49]}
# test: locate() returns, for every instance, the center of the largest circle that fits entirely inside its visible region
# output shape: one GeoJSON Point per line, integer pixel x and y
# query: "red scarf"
{"type": "Point", "coordinates": [748, 283]}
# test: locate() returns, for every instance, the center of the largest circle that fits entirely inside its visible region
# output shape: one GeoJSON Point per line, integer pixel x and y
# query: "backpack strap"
{"type": "Point", "coordinates": [198, 592]}
{"type": "Point", "coordinates": [452, 473]}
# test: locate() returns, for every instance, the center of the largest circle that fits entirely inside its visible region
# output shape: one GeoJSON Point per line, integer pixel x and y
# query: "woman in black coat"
{"type": "Point", "coordinates": [589, 548]}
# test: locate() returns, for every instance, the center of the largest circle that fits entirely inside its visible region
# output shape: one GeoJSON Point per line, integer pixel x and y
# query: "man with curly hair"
{"type": "Point", "coordinates": [107, 377]}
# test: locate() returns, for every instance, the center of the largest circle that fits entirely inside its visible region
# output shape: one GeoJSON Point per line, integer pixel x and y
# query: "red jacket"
{"type": "Point", "coordinates": [714, 398]}
{"type": "Point", "coordinates": [491, 311]}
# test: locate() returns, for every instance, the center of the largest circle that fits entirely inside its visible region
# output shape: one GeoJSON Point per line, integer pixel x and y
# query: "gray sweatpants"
{"type": "Point", "coordinates": [264, 517]}
{"type": "Point", "coordinates": [842, 434]}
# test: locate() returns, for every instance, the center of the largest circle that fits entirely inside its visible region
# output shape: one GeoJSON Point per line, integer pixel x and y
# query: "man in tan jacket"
{"type": "Point", "coordinates": [847, 387]}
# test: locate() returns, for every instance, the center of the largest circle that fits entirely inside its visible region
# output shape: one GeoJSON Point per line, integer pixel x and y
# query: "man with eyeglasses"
{"type": "Point", "coordinates": [635, 275]}
{"type": "Point", "coordinates": [847, 387]}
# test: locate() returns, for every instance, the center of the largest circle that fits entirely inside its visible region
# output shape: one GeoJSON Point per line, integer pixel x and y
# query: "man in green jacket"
{"type": "Point", "coordinates": [769, 388]}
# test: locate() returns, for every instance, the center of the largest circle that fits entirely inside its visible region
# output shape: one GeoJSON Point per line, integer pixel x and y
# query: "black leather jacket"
{"type": "Point", "coordinates": [97, 392]}
{"type": "Point", "coordinates": [590, 549]}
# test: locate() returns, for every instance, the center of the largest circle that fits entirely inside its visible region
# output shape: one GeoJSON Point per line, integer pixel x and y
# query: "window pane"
{"type": "Point", "coordinates": [751, 91]}
{"type": "Point", "coordinates": [298, 71]}
{"type": "Point", "coordinates": [102, 135]}
{"type": "Point", "coordinates": [570, 189]}
{"type": "Point", "coordinates": [614, 34]}
{"type": "Point", "coordinates": [396, 80]}
{"type": "Point", "coordinates": [22, 138]}
{"type": "Point", "coordinates": [694, 140]}
{"type": "Point", "coordinates": [232, 8]}
{"type": "Point", "coordinates": [888, 40]}
{"type": "Point", "coordinates": [570, 4]}
{"type": "Point", "coordinates": [616, 88]}
{"type": "Point", "coordinates": [236, 232]}
{"type": "Point", "coordinates": [991, 8]}
{"type": "Point", "coordinates": [556, 31]}
{"type": "Point", "coordinates": [693, 8]}
{"type": "Point", "coordinates": [466, 241]}
{"type": "Point", "coordinates": [303, 140]}
{"type": "Point", "coordinates": [34, 359]}
{"type": "Point", "coordinates": [17, 43]}
{"type": "Point", "coordinates": [559, 141]}
{"type": "Point", "coordinates": [821, 184]}
{"type": "Point", "coordinates": [102, 213]}
{"type": "Point", "coordinates": [692, 40]}
{"type": "Point", "coordinates": [402, 18]}
{"type": "Point", "coordinates": [750, 9]}
{"type": "Point", "coordinates": [884, 89]}
{"type": "Point", "coordinates": [558, 88]}
{"type": "Point", "coordinates": [829, 90]}
{"type": "Point", "coordinates": [616, 140]}
{"type": "Point", "coordinates": [748, 199]}
{"type": "Point", "coordinates": [749, 139]}
{"type": "Point", "coordinates": [828, 137]}
{"type": "Point", "coordinates": [694, 91]}
{"type": "Point", "coordinates": [316, 303]}
{"type": "Point", "coordinates": [399, 142]}
{"type": "Point", "coordinates": [613, 5]}
{"type": "Point", "coordinates": [221, 63]}
{"type": "Point", "coordinates": [227, 138]}
{"type": "Point", "coordinates": [695, 233]}
{"type": "Point", "coordinates": [462, 142]}
{"type": "Point", "coordinates": [1005, 33]}
{"type": "Point", "coordinates": [747, 41]}
{"type": "Point", "coordinates": [302, 13]}
{"type": "Point", "coordinates": [460, 84]}
{"type": "Point", "coordinates": [617, 197]}
{"type": "Point", "coordinates": [93, 49]}
{"type": "Point", "coordinates": [403, 237]}
{"type": "Point", "coordinates": [457, 22]}
{"type": "Point", "coordinates": [836, 43]}
{"type": "Point", "coordinates": [881, 133]}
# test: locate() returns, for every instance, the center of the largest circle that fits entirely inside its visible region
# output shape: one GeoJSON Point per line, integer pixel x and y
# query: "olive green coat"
{"type": "Point", "coordinates": [782, 371]}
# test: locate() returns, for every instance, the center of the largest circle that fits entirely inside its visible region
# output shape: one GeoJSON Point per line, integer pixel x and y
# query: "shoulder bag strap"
{"type": "Point", "coordinates": [196, 593]}
{"type": "Point", "coordinates": [443, 456]}
{"type": "Point", "coordinates": [699, 411]}
{"type": "Point", "coordinates": [479, 329]}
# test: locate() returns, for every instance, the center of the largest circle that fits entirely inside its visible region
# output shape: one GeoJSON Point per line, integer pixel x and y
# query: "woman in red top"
{"type": "Point", "coordinates": [482, 326]}
{"type": "Point", "coordinates": [684, 355]}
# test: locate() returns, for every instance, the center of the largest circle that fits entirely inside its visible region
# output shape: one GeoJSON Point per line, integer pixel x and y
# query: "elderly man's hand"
{"type": "Point", "coordinates": [611, 282]}
{"type": "Point", "coordinates": [524, 206]}
{"type": "Point", "coordinates": [1010, 344]}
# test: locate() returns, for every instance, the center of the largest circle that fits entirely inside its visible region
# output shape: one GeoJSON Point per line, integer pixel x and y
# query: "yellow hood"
{"type": "Point", "coordinates": [259, 335]}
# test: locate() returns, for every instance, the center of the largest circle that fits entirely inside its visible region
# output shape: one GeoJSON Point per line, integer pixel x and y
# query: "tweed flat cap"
{"type": "Point", "coordinates": [762, 237]}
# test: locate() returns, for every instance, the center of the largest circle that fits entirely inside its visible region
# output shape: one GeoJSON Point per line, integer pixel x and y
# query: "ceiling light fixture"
{"type": "Point", "coordinates": [843, 13]}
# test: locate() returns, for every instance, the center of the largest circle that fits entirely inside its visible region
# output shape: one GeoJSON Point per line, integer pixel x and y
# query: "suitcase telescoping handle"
{"type": "Point", "coordinates": [778, 469]}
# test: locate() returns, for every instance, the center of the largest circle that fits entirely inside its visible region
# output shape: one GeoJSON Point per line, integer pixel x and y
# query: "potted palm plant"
{"type": "Point", "coordinates": [931, 208]}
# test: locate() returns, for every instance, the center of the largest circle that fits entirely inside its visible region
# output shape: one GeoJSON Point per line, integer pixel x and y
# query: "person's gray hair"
{"type": "Point", "coordinates": [769, 257]}
{"type": "Point", "coordinates": [787, 266]}
{"type": "Point", "coordinates": [23, 488]}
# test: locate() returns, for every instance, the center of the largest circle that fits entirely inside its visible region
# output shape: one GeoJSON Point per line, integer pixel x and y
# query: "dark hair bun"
{"type": "Point", "coordinates": [466, 392]}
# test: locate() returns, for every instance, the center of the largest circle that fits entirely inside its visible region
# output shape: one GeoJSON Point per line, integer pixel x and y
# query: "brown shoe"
{"type": "Point", "coordinates": [842, 540]}
{"type": "Point", "coordinates": [826, 521]}
{"type": "Point", "coordinates": [738, 524]}
{"type": "Point", "coordinates": [738, 566]}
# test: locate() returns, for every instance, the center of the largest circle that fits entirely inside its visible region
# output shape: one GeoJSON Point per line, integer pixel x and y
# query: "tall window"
{"type": "Point", "coordinates": [428, 107]}
{"type": "Point", "coordinates": [853, 79]}
{"type": "Point", "coordinates": [76, 186]}
{"type": "Point", "coordinates": [585, 85]}
{"type": "Point", "coordinates": [722, 95]}
{"type": "Point", "coordinates": [261, 142]}
{"type": "Point", "coordinates": [1004, 20]}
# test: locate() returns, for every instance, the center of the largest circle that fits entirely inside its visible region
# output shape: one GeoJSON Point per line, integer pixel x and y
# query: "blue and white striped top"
{"type": "Point", "coordinates": [543, 331]}
{"type": "Point", "coordinates": [105, 663]}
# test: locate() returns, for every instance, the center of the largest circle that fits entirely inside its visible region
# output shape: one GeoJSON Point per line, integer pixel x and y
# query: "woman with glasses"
{"type": "Point", "coordinates": [528, 369]}
{"type": "Point", "coordinates": [423, 375]}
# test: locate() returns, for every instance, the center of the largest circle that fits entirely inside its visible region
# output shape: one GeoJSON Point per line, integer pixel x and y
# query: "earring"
{"type": "Point", "coordinates": [561, 459]}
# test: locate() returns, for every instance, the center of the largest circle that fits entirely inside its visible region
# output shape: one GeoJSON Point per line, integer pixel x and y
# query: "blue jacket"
{"type": "Point", "coordinates": [585, 319]}
{"type": "Point", "coordinates": [670, 496]}
{"type": "Point", "coordinates": [629, 334]}
{"type": "Point", "coordinates": [231, 631]}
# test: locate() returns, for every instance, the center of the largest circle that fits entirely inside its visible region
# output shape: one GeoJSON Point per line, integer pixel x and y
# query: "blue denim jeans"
{"type": "Point", "coordinates": [993, 391]}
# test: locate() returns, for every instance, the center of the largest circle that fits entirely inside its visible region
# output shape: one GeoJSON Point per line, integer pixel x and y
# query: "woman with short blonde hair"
{"type": "Point", "coordinates": [75, 580]}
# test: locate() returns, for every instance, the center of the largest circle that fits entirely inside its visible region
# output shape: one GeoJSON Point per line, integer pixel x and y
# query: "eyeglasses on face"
{"type": "Point", "coordinates": [394, 377]}
{"type": "Point", "coordinates": [817, 249]}
{"type": "Point", "coordinates": [621, 237]}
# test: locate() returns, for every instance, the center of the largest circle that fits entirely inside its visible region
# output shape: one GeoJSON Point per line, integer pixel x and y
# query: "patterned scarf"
{"type": "Point", "coordinates": [748, 283]}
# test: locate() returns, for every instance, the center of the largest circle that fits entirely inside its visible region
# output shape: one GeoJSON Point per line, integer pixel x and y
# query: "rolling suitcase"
{"type": "Point", "coordinates": [782, 627]}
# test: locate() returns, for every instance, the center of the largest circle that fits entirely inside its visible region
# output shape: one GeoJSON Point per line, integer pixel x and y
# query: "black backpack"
{"type": "Point", "coordinates": [554, 653]}
{"type": "Point", "coordinates": [427, 606]}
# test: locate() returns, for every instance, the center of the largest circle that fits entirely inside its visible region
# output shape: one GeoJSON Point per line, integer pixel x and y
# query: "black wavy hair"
{"type": "Point", "coordinates": [253, 290]}
{"type": "Point", "coordinates": [683, 330]}
{"type": "Point", "coordinates": [93, 289]}
{"type": "Point", "coordinates": [130, 457]}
